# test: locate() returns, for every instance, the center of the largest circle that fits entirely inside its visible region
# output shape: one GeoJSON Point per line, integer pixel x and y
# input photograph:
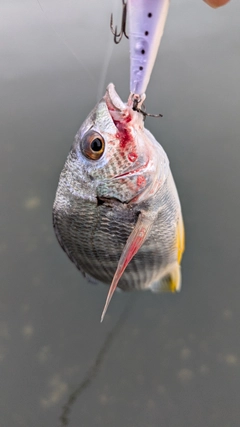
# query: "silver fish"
{"type": "Point", "coordinates": [117, 213]}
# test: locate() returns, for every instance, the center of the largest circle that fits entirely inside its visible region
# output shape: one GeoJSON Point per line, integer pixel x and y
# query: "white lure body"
{"type": "Point", "coordinates": [146, 24]}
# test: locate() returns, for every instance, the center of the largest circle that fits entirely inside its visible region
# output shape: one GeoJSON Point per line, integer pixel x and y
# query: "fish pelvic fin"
{"type": "Point", "coordinates": [170, 282]}
{"type": "Point", "coordinates": [133, 244]}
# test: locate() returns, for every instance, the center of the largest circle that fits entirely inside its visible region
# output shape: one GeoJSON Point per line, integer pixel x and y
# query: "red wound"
{"type": "Point", "coordinates": [132, 157]}
{"type": "Point", "coordinates": [141, 181]}
{"type": "Point", "coordinates": [123, 134]}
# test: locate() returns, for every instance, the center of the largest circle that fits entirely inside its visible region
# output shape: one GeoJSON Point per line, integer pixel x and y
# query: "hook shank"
{"type": "Point", "coordinates": [118, 35]}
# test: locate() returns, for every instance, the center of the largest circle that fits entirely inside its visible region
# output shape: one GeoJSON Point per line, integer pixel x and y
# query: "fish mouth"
{"type": "Point", "coordinates": [113, 100]}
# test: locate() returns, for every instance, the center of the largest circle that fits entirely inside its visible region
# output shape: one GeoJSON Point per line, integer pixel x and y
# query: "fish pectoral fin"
{"type": "Point", "coordinates": [170, 282]}
{"type": "Point", "coordinates": [133, 244]}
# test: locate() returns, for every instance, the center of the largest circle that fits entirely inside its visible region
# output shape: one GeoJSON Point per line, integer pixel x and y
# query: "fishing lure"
{"type": "Point", "coordinates": [146, 24]}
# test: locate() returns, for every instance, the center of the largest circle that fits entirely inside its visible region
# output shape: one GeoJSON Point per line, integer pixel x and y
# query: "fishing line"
{"type": "Point", "coordinates": [93, 370]}
{"type": "Point", "coordinates": [107, 58]}
{"type": "Point", "coordinates": [64, 41]}
{"type": "Point", "coordinates": [106, 62]}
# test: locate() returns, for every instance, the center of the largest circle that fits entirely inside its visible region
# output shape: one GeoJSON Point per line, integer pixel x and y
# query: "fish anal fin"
{"type": "Point", "coordinates": [170, 282]}
{"type": "Point", "coordinates": [180, 239]}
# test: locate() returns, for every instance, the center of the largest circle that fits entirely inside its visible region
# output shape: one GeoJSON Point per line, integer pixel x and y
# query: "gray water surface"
{"type": "Point", "coordinates": [168, 360]}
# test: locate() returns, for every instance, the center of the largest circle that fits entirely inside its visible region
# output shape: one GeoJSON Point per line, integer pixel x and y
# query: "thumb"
{"type": "Point", "coordinates": [216, 3]}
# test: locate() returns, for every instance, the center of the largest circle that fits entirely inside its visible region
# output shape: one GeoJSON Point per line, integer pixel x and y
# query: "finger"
{"type": "Point", "coordinates": [216, 3]}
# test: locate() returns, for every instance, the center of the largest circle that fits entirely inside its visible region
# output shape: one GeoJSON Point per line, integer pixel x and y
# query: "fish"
{"type": "Point", "coordinates": [117, 213]}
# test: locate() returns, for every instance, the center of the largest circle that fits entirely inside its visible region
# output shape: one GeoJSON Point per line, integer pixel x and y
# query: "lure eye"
{"type": "Point", "coordinates": [92, 145]}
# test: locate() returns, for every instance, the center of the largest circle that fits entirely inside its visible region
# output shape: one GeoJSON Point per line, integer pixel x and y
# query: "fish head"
{"type": "Point", "coordinates": [115, 155]}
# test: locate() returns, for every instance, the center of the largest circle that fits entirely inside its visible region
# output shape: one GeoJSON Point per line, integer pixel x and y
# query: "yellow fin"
{"type": "Point", "coordinates": [180, 240]}
{"type": "Point", "coordinates": [171, 282]}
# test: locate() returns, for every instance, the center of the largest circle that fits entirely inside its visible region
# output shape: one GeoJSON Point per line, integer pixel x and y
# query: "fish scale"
{"type": "Point", "coordinates": [103, 227]}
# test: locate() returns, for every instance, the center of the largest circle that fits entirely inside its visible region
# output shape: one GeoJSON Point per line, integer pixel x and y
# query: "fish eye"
{"type": "Point", "coordinates": [92, 145]}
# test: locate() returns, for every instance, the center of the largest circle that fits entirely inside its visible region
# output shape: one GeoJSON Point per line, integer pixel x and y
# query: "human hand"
{"type": "Point", "coordinates": [216, 3]}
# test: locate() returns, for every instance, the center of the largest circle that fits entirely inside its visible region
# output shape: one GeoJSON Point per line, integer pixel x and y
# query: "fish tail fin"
{"type": "Point", "coordinates": [170, 282]}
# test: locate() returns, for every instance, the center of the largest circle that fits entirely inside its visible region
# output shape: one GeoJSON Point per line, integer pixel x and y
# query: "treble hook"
{"type": "Point", "coordinates": [118, 36]}
{"type": "Point", "coordinates": [139, 110]}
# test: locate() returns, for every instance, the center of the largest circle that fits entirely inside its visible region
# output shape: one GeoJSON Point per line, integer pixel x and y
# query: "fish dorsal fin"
{"type": "Point", "coordinates": [134, 243]}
